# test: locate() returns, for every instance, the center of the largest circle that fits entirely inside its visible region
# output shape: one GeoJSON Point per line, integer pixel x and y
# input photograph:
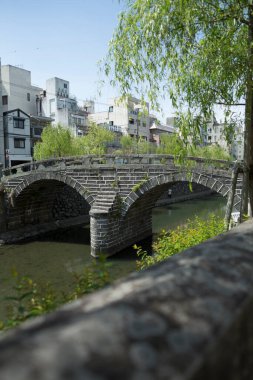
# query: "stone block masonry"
{"type": "Point", "coordinates": [120, 196]}
{"type": "Point", "coordinates": [188, 318]}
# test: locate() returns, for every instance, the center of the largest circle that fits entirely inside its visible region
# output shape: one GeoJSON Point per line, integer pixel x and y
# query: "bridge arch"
{"type": "Point", "coordinates": [162, 181]}
{"type": "Point", "coordinates": [47, 176]}
{"type": "Point", "coordinates": [48, 198]}
{"type": "Point", "coordinates": [135, 221]}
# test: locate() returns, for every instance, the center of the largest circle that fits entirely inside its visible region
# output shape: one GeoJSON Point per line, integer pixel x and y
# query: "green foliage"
{"type": "Point", "coordinates": [211, 152]}
{"type": "Point", "coordinates": [132, 145]}
{"type": "Point", "coordinates": [94, 277]}
{"type": "Point", "coordinates": [174, 145]}
{"type": "Point", "coordinates": [138, 185]}
{"type": "Point", "coordinates": [193, 51]}
{"type": "Point", "coordinates": [95, 142]}
{"type": "Point", "coordinates": [194, 232]}
{"type": "Point", "coordinates": [29, 300]}
{"type": "Point", "coordinates": [58, 141]}
{"type": "Point", "coordinates": [127, 144]}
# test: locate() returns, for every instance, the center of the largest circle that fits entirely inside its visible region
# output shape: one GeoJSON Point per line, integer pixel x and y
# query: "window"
{"type": "Point", "coordinates": [52, 107]}
{"type": "Point", "coordinates": [110, 122]}
{"type": "Point", "coordinates": [18, 122]}
{"type": "Point", "coordinates": [131, 120]}
{"type": "Point", "coordinates": [4, 100]}
{"type": "Point", "coordinates": [37, 132]}
{"type": "Point", "coordinates": [111, 109]}
{"type": "Point", "coordinates": [144, 125]}
{"type": "Point", "coordinates": [19, 143]}
{"type": "Point", "coordinates": [28, 96]}
{"type": "Point", "coordinates": [65, 85]}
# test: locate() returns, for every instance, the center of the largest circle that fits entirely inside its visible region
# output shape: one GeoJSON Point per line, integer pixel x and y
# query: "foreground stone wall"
{"type": "Point", "coordinates": [189, 318]}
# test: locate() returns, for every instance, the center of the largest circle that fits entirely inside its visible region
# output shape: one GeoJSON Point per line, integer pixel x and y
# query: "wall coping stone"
{"type": "Point", "coordinates": [190, 317]}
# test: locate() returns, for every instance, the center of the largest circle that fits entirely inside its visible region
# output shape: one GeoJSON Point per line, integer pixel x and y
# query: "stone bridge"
{"type": "Point", "coordinates": [117, 193]}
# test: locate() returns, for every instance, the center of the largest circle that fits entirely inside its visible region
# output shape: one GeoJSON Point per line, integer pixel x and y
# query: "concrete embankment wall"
{"type": "Point", "coordinates": [188, 318]}
{"type": "Point", "coordinates": [181, 191]}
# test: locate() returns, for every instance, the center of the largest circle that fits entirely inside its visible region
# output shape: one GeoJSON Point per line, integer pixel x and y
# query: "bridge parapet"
{"type": "Point", "coordinates": [116, 160]}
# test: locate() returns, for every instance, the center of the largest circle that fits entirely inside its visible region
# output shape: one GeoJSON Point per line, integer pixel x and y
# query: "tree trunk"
{"type": "Point", "coordinates": [231, 196]}
{"type": "Point", "coordinates": [248, 134]}
{"type": "Point", "coordinates": [244, 211]}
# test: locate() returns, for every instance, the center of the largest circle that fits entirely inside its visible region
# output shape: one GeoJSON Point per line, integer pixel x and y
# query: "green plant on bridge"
{"type": "Point", "coordinates": [138, 185]}
{"type": "Point", "coordinates": [115, 183]}
{"type": "Point", "coordinates": [117, 207]}
{"type": "Point", "coordinates": [169, 243]}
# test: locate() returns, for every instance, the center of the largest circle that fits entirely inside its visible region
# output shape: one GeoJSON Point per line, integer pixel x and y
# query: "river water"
{"type": "Point", "coordinates": [56, 256]}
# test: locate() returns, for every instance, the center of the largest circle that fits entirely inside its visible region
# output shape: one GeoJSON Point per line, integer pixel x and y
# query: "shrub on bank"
{"type": "Point", "coordinates": [194, 232]}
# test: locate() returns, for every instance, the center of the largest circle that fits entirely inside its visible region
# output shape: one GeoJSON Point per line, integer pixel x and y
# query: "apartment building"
{"type": "Point", "coordinates": [127, 117]}
{"type": "Point", "coordinates": [55, 102]}
{"type": "Point", "coordinates": [17, 90]}
{"type": "Point", "coordinates": [26, 109]}
{"type": "Point", "coordinates": [18, 104]}
{"type": "Point", "coordinates": [216, 134]}
{"type": "Point", "coordinates": [17, 139]}
{"type": "Point", "coordinates": [2, 150]}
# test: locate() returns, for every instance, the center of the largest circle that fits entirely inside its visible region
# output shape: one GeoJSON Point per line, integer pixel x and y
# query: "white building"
{"type": "Point", "coordinates": [17, 90]}
{"type": "Point", "coordinates": [18, 104]}
{"type": "Point", "coordinates": [2, 149]}
{"type": "Point", "coordinates": [17, 137]}
{"type": "Point", "coordinates": [125, 116]}
{"type": "Point", "coordinates": [216, 134]}
{"type": "Point", "coordinates": [55, 102]}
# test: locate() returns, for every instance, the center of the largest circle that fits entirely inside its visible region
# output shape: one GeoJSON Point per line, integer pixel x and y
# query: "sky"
{"type": "Point", "coordinates": [66, 39]}
{"type": "Point", "coordinates": [62, 38]}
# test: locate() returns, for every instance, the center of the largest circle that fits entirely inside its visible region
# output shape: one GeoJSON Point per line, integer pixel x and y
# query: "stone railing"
{"type": "Point", "coordinates": [189, 318]}
{"type": "Point", "coordinates": [113, 160]}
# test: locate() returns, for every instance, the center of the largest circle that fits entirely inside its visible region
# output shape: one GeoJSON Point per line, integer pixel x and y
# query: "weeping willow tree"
{"type": "Point", "coordinates": [196, 52]}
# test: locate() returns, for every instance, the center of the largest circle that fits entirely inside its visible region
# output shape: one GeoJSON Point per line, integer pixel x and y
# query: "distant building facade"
{"type": "Point", "coordinates": [2, 148]}
{"type": "Point", "coordinates": [17, 90]}
{"type": "Point", "coordinates": [18, 103]}
{"type": "Point", "coordinates": [17, 137]}
{"type": "Point", "coordinates": [216, 134]}
{"type": "Point", "coordinates": [126, 117]}
{"type": "Point", "coordinates": [55, 102]}
{"type": "Point", "coordinates": [157, 129]}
